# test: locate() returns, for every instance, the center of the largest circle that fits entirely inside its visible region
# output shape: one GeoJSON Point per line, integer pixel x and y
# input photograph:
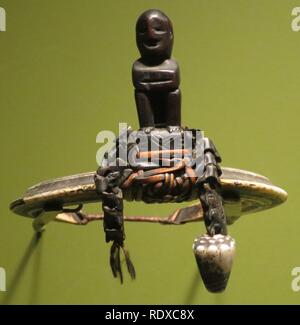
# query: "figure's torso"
{"type": "Point", "coordinates": [149, 78]}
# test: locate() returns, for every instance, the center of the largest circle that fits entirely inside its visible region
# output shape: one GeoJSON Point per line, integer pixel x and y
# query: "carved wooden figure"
{"type": "Point", "coordinates": [173, 172]}
{"type": "Point", "coordinates": [155, 74]}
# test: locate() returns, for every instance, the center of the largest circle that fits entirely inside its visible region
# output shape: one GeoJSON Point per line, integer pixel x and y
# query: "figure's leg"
{"type": "Point", "coordinates": [107, 185]}
{"type": "Point", "coordinates": [113, 222]}
{"type": "Point", "coordinates": [209, 186]}
{"type": "Point", "coordinates": [144, 109]}
{"type": "Point", "coordinates": [214, 216]}
{"type": "Point", "coordinates": [173, 108]}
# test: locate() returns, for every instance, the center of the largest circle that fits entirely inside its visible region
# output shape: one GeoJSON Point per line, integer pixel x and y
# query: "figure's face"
{"type": "Point", "coordinates": [154, 35]}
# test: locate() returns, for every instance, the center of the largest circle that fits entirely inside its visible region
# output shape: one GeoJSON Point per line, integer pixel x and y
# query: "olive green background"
{"type": "Point", "coordinates": [65, 75]}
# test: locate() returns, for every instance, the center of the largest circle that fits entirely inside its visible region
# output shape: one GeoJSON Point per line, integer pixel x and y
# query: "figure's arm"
{"type": "Point", "coordinates": [165, 77]}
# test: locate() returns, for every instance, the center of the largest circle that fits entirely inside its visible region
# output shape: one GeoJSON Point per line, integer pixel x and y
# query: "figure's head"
{"type": "Point", "coordinates": [154, 35]}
